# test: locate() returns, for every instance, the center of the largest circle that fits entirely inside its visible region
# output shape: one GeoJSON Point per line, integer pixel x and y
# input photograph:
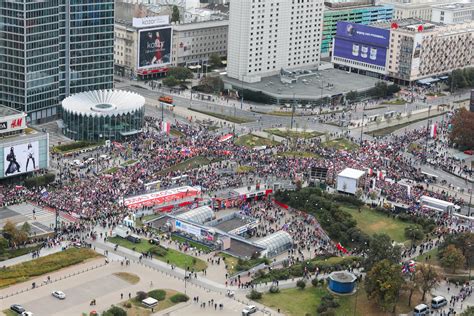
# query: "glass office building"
{"type": "Point", "coordinates": [103, 115]}
{"type": "Point", "coordinates": [50, 49]}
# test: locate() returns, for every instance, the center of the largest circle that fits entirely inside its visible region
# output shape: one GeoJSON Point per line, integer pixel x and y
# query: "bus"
{"type": "Point", "coordinates": [166, 99]}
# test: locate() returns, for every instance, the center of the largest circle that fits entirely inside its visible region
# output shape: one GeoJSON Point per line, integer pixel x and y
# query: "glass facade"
{"type": "Point", "coordinates": [51, 49]}
{"type": "Point", "coordinates": [81, 126]}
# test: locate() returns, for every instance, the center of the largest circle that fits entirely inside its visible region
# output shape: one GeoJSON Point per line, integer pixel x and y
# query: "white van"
{"type": "Point", "coordinates": [438, 302]}
{"type": "Point", "coordinates": [421, 310]}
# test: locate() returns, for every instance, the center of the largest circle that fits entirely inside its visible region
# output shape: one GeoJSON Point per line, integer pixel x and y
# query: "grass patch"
{"type": "Point", "coordinates": [436, 94]}
{"type": "Point", "coordinates": [230, 118]}
{"type": "Point", "coordinates": [295, 302]}
{"type": "Point", "coordinates": [297, 154]}
{"type": "Point", "coordinates": [372, 222]}
{"type": "Point", "coordinates": [390, 129]}
{"type": "Point", "coordinates": [111, 170]}
{"type": "Point", "coordinates": [9, 312]}
{"type": "Point", "coordinates": [340, 144]}
{"type": "Point", "coordinates": [134, 307]}
{"type": "Point", "coordinates": [251, 141]}
{"type": "Point", "coordinates": [176, 133]}
{"type": "Point", "coordinates": [230, 262]}
{"type": "Point", "coordinates": [141, 221]}
{"type": "Point", "coordinates": [172, 256]}
{"type": "Point", "coordinates": [293, 134]}
{"type": "Point", "coordinates": [128, 277]}
{"type": "Point", "coordinates": [191, 163]}
{"type": "Point", "coordinates": [191, 243]}
{"type": "Point", "coordinates": [13, 253]}
{"type": "Point", "coordinates": [395, 102]}
{"type": "Point", "coordinates": [245, 169]}
{"type": "Point", "coordinates": [430, 257]}
{"type": "Point", "coordinates": [24, 271]}
{"type": "Point", "coordinates": [75, 146]}
{"type": "Point", "coordinates": [29, 131]}
{"type": "Point", "coordinates": [129, 162]}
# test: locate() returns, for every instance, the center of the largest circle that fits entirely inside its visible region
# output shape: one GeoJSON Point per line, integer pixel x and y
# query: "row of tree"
{"type": "Point", "coordinates": [462, 132]}
{"type": "Point", "coordinates": [380, 90]}
{"type": "Point", "coordinates": [461, 79]}
{"type": "Point", "coordinates": [14, 237]}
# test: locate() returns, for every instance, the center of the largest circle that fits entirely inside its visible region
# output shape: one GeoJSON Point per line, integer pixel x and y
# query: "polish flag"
{"type": "Point", "coordinates": [380, 175]}
{"type": "Point", "coordinates": [165, 127]}
{"type": "Point", "coordinates": [370, 171]}
{"type": "Point", "coordinates": [341, 248]}
{"type": "Point", "coordinates": [433, 130]}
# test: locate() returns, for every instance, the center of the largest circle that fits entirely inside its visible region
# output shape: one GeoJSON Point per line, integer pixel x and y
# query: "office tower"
{"type": "Point", "coordinates": [51, 49]}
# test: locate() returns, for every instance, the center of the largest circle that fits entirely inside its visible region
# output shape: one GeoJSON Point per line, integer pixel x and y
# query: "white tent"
{"type": "Point", "coordinates": [348, 180]}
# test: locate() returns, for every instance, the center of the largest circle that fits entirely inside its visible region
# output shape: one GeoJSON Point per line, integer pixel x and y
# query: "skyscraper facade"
{"type": "Point", "coordinates": [50, 49]}
{"type": "Point", "coordinates": [268, 35]}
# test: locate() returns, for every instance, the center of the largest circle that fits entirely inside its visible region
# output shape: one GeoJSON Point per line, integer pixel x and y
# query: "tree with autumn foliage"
{"type": "Point", "coordinates": [462, 133]}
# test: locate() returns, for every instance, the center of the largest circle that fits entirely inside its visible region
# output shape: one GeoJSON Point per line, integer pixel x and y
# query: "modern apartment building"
{"type": "Point", "coordinates": [266, 36]}
{"type": "Point", "coordinates": [422, 9]}
{"type": "Point", "coordinates": [192, 44]}
{"type": "Point", "coordinates": [51, 49]}
{"type": "Point", "coordinates": [351, 12]}
{"type": "Point", "coordinates": [453, 13]}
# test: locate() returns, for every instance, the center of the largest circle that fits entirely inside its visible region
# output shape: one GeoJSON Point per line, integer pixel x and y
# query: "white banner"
{"type": "Point", "coordinates": [151, 21]}
{"type": "Point", "coordinates": [19, 159]}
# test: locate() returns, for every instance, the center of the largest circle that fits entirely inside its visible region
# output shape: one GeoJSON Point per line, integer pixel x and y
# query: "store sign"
{"type": "Point", "coordinates": [14, 122]}
{"type": "Point", "coordinates": [190, 229]}
{"type": "Point", "coordinates": [151, 21]}
{"type": "Point", "coordinates": [3, 125]}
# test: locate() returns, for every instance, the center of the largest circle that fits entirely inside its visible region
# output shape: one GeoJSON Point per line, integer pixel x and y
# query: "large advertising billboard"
{"type": "Point", "coordinates": [154, 49]}
{"type": "Point", "coordinates": [20, 159]}
{"type": "Point", "coordinates": [362, 43]}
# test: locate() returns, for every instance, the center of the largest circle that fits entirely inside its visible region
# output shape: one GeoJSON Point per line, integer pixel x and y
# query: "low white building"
{"type": "Point", "coordinates": [349, 180]}
{"type": "Point", "coordinates": [453, 13]}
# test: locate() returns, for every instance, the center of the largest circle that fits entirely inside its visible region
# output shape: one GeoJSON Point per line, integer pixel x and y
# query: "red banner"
{"type": "Point", "coordinates": [161, 197]}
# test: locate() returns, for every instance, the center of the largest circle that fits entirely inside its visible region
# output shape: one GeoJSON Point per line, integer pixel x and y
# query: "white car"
{"type": "Point", "coordinates": [59, 294]}
{"type": "Point", "coordinates": [249, 310]}
{"type": "Point", "coordinates": [27, 314]}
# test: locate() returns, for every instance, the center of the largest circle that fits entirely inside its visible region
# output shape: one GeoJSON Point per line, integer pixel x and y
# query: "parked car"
{"type": "Point", "coordinates": [469, 152]}
{"type": "Point", "coordinates": [249, 310]}
{"type": "Point", "coordinates": [17, 308]}
{"type": "Point", "coordinates": [134, 238]}
{"type": "Point", "coordinates": [59, 294]}
{"type": "Point", "coordinates": [154, 241]}
{"type": "Point", "coordinates": [27, 314]}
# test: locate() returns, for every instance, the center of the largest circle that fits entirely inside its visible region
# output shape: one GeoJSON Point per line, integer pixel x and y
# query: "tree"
{"type": "Point", "coordinates": [426, 278]}
{"type": "Point", "coordinates": [414, 233]}
{"type": "Point", "coordinates": [462, 241]}
{"type": "Point", "coordinates": [3, 244]}
{"type": "Point", "coordinates": [468, 312]}
{"type": "Point", "coordinates": [462, 133]}
{"type": "Point", "coordinates": [210, 85]}
{"type": "Point", "coordinates": [452, 258]}
{"type": "Point", "coordinates": [383, 283]}
{"type": "Point", "coordinates": [352, 96]}
{"type": "Point", "coordinates": [380, 90]}
{"type": "Point", "coordinates": [180, 73]}
{"type": "Point", "coordinates": [175, 16]}
{"type": "Point", "coordinates": [10, 231]}
{"type": "Point", "coordinates": [410, 286]}
{"type": "Point", "coordinates": [215, 60]}
{"type": "Point", "coordinates": [254, 295]}
{"type": "Point", "coordinates": [26, 228]}
{"type": "Point", "coordinates": [170, 81]}
{"type": "Point", "coordinates": [381, 248]}
{"type": "Point", "coordinates": [115, 311]}
{"type": "Point", "coordinates": [392, 89]}
{"type": "Point", "coordinates": [301, 284]}
{"type": "Point", "coordinates": [359, 193]}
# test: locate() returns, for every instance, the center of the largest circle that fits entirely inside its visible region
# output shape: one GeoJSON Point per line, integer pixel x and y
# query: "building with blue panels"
{"type": "Point", "coordinates": [356, 12]}
{"type": "Point", "coordinates": [342, 282]}
{"type": "Point", "coordinates": [51, 49]}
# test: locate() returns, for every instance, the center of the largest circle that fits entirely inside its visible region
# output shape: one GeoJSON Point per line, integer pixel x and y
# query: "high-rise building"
{"type": "Point", "coordinates": [361, 13]}
{"type": "Point", "coordinates": [51, 49]}
{"type": "Point", "coordinates": [268, 35]}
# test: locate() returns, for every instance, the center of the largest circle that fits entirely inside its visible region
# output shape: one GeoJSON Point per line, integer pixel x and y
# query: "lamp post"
{"type": "Point", "coordinates": [362, 124]}
{"type": "Point", "coordinates": [292, 112]}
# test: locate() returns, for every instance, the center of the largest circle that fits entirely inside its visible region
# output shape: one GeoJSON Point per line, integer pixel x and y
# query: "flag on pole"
{"type": "Point", "coordinates": [165, 127]}
{"type": "Point", "coordinates": [433, 130]}
{"type": "Point", "coordinates": [341, 248]}
{"type": "Point", "coordinates": [370, 171]}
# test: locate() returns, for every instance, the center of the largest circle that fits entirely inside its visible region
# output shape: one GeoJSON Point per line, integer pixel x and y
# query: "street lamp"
{"type": "Point", "coordinates": [362, 124]}
{"type": "Point", "coordinates": [292, 112]}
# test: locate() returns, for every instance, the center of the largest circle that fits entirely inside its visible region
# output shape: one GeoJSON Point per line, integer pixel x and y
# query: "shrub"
{"type": "Point", "coordinates": [75, 145]}
{"type": "Point", "coordinates": [159, 251]}
{"type": "Point", "coordinates": [115, 311]}
{"type": "Point", "coordinates": [159, 295]}
{"type": "Point", "coordinates": [127, 305]}
{"type": "Point", "coordinates": [39, 180]}
{"type": "Point", "coordinates": [254, 295]}
{"type": "Point", "coordinates": [315, 282]}
{"type": "Point", "coordinates": [301, 284]}
{"type": "Point", "coordinates": [141, 296]}
{"type": "Point", "coordinates": [179, 298]}
{"type": "Point", "coordinates": [274, 289]}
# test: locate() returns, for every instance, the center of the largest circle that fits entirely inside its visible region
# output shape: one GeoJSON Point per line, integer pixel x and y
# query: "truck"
{"type": "Point", "coordinates": [166, 99]}
{"type": "Point", "coordinates": [438, 205]}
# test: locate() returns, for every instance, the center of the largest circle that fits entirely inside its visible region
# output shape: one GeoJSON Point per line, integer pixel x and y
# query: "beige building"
{"type": "Point", "coordinates": [422, 9]}
{"type": "Point", "coordinates": [453, 13]}
{"type": "Point", "coordinates": [424, 49]}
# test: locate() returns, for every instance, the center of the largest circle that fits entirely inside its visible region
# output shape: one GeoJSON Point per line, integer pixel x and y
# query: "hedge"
{"type": "Point", "coordinates": [158, 295]}
{"type": "Point", "coordinates": [179, 298]}
{"type": "Point", "coordinates": [74, 146]}
{"type": "Point", "coordinates": [39, 180]}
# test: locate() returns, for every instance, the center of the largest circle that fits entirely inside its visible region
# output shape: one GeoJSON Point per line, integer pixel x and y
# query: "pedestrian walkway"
{"type": "Point", "coordinates": [28, 257]}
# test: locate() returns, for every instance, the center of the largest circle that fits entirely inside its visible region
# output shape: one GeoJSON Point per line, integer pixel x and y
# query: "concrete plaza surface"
{"type": "Point", "coordinates": [101, 284]}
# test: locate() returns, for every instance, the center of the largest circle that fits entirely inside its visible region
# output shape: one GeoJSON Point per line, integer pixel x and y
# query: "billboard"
{"type": "Point", "coordinates": [20, 159]}
{"type": "Point", "coordinates": [154, 48]}
{"type": "Point", "coordinates": [416, 59]}
{"type": "Point", "coordinates": [362, 43]}
{"type": "Point", "coordinates": [151, 21]}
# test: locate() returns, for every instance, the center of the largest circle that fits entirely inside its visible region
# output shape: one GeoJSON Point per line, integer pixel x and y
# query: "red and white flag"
{"type": "Point", "coordinates": [433, 130]}
{"type": "Point", "coordinates": [370, 171]}
{"type": "Point", "coordinates": [165, 127]}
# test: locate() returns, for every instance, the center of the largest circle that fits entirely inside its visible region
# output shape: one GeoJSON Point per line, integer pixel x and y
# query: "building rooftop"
{"type": "Point", "coordinates": [6, 111]}
{"type": "Point", "coordinates": [454, 6]}
{"type": "Point", "coordinates": [343, 277]}
{"type": "Point", "coordinates": [183, 26]}
{"type": "Point", "coordinates": [353, 6]}
{"type": "Point", "coordinates": [410, 24]}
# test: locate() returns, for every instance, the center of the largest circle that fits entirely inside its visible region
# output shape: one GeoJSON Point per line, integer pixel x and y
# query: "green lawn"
{"type": "Point", "coordinates": [295, 302]}
{"type": "Point", "coordinates": [13, 253]}
{"type": "Point", "coordinates": [176, 133]}
{"type": "Point", "coordinates": [372, 222]}
{"type": "Point", "coordinates": [24, 271]}
{"type": "Point", "coordinates": [75, 146]}
{"type": "Point", "coordinates": [138, 309]}
{"type": "Point", "coordinates": [340, 144]}
{"type": "Point", "coordinates": [140, 222]}
{"type": "Point", "coordinates": [231, 263]}
{"type": "Point", "coordinates": [293, 134]}
{"type": "Point", "coordinates": [191, 243]}
{"type": "Point", "coordinates": [250, 141]}
{"type": "Point", "coordinates": [172, 256]}
{"type": "Point", "coordinates": [245, 169]}
{"type": "Point", "coordinates": [388, 130]}
{"type": "Point", "coordinates": [111, 170]}
{"type": "Point", "coordinates": [432, 255]}
{"type": "Point", "coordinates": [9, 312]}
{"type": "Point", "coordinates": [129, 162]}
{"type": "Point", "coordinates": [191, 163]}
{"type": "Point", "coordinates": [297, 154]}
{"type": "Point", "coordinates": [230, 118]}
{"type": "Point", "coordinates": [395, 102]}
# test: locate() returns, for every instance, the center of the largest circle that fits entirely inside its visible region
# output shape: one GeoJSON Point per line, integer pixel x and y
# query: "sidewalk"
{"type": "Point", "coordinates": [28, 257]}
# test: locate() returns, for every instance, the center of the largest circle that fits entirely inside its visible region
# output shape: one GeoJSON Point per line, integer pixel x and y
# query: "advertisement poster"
{"type": "Point", "coordinates": [154, 49]}
{"type": "Point", "coordinates": [361, 43]}
{"type": "Point", "coordinates": [20, 159]}
{"type": "Point", "coordinates": [415, 66]}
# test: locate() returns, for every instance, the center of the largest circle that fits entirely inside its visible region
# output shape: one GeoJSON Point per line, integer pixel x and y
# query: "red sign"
{"type": "Point", "coordinates": [16, 123]}
{"type": "Point", "coordinates": [161, 197]}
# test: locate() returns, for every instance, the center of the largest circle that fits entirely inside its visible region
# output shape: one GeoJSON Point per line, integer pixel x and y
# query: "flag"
{"type": "Point", "coordinates": [433, 130]}
{"type": "Point", "coordinates": [225, 138]}
{"type": "Point", "coordinates": [341, 248]}
{"type": "Point", "coordinates": [165, 127]}
{"type": "Point", "coordinates": [370, 171]}
{"type": "Point", "coordinates": [44, 193]}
